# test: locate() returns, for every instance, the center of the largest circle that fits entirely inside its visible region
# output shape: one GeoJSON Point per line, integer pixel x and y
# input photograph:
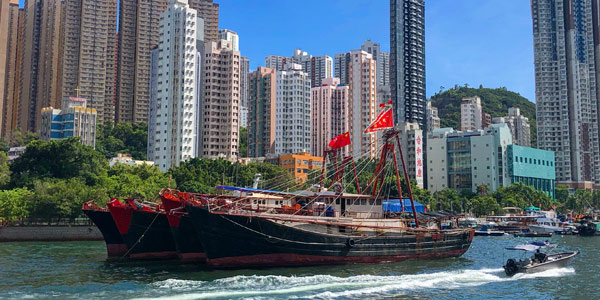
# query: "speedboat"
{"type": "Point", "coordinates": [540, 261]}
{"type": "Point", "coordinates": [486, 231]}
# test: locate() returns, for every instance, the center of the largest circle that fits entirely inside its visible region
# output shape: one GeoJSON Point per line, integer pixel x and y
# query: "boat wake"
{"type": "Point", "coordinates": [332, 287]}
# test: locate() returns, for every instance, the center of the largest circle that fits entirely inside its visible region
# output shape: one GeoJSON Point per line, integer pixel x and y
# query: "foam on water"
{"type": "Point", "coordinates": [332, 287]}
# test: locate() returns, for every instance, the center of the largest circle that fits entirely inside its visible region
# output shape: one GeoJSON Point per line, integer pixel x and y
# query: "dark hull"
{"type": "Point", "coordinates": [115, 246]}
{"type": "Point", "coordinates": [240, 241]}
{"type": "Point", "coordinates": [489, 233]}
{"type": "Point", "coordinates": [146, 234]}
{"type": "Point", "coordinates": [187, 241]}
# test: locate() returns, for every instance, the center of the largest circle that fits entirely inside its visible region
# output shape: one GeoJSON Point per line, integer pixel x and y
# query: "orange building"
{"type": "Point", "coordinates": [300, 164]}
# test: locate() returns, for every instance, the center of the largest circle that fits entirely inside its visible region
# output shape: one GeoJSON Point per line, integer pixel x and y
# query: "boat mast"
{"type": "Point", "coordinates": [410, 194]}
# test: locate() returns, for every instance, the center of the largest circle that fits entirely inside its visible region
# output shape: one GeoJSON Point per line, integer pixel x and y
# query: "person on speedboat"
{"type": "Point", "coordinates": [539, 256]}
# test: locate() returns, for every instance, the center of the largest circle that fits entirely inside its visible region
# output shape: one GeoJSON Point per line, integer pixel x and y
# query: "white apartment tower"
{"type": "Point", "coordinates": [382, 59]}
{"type": "Point", "coordinates": [292, 110]}
{"type": "Point", "coordinates": [470, 113]}
{"type": "Point", "coordinates": [518, 125]}
{"type": "Point", "coordinates": [363, 102]}
{"type": "Point", "coordinates": [329, 114]}
{"type": "Point", "coordinates": [317, 68]}
{"type": "Point", "coordinates": [220, 109]}
{"type": "Point", "coordinates": [173, 136]}
{"type": "Point", "coordinates": [433, 120]}
{"type": "Point", "coordinates": [230, 36]}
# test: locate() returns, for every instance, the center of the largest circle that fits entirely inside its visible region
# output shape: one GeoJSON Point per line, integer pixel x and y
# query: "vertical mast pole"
{"type": "Point", "coordinates": [412, 201]}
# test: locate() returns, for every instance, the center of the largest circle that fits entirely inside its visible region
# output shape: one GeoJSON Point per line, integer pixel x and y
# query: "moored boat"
{"type": "Point", "coordinates": [115, 246]}
{"type": "Point", "coordinates": [187, 240]}
{"type": "Point", "coordinates": [324, 227]}
{"type": "Point", "coordinates": [247, 239]}
{"type": "Point", "coordinates": [487, 231]}
{"type": "Point", "coordinates": [144, 230]}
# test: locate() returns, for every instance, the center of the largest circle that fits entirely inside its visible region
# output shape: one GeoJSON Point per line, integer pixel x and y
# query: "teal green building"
{"type": "Point", "coordinates": [534, 167]}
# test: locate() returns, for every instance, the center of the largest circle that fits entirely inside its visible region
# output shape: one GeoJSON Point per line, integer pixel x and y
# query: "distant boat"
{"type": "Point", "coordinates": [546, 225]}
{"type": "Point", "coordinates": [533, 234]}
{"type": "Point", "coordinates": [486, 231]}
{"type": "Point", "coordinates": [539, 262]}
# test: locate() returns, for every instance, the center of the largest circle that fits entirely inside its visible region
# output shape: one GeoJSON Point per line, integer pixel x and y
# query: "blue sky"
{"type": "Point", "coordinates": [476, 42]}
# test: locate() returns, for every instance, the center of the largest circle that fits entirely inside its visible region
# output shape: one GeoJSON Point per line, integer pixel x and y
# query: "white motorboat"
{"type": "Point", "coordinates": [546, 225]}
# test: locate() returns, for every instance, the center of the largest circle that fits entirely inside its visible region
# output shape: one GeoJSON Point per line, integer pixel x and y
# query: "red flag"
{"type": "Point", "coordinates": [389, 102]}
{"type": "Point", "coordinates": [384, 120]}
{"type": "Point", "coordinates": [340, 141]}
{"type": "Point", "coordinates": [382, 105]}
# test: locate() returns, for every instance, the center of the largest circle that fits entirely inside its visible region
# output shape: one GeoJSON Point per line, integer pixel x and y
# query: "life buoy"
{"type": "Point", "coordinates": [350, 243]}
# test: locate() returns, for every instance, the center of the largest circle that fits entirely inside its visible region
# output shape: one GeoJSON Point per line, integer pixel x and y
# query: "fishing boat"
{"type": "Point", "coordinates": [115, 246]}
{"type": "Point", "coordinates": [324, 226]}
{"type": "Point", "coordinates": [144, 229]}
{"type": "Point", "coordinates": [540, 261]}
{"type": "Point", "coordinates": [187, 240]}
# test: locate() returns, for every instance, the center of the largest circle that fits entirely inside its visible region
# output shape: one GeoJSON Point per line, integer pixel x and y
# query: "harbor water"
{"type": "Point", "coordinates": [79, 270]}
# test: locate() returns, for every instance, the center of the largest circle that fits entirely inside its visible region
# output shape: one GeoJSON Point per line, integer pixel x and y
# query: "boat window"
{"type": "Point", "coordinates": [371, 201]}
{"type": "Point", "coordinates": [254, 201]}
{"type": "Point", "coordinates": [337, 201]}
{"type": "Point", "coordinates": [378, 201]}
{"type": "Point", "coordinates": [349, 201]}
{"type": "Point", "coordinates": [363, 201]}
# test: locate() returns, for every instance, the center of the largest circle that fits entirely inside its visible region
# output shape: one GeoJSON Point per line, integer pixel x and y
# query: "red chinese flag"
{"type": "Point", "coordinates": [384, 120]}
{"type": "Point", "coordinates": [340, 141]}
{"type": "Point", "coordinates": [382, 105]}
{"type": "Point", "coordinates": [389, 102]}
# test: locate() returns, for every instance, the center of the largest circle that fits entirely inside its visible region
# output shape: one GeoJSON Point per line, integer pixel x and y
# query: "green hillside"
{"type": "Point", "coordinates": [494, 102]}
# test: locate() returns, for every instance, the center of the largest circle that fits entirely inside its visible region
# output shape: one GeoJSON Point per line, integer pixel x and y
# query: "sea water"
{"type": "Point", "coordinates": [80, 270]}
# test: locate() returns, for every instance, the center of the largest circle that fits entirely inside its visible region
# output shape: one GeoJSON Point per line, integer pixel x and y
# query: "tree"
{"type": "Point", "coordinates": [141, 182]}
{"type": "Point", "coordinates": [61, 159]}
{"type": "Point", "coordinates": [561, 193]}
{"type": "Point", "coordinates": [20, 138]}
{"type": "Point", "coordinates": [202, 175]}
{"type": "Point", "coordinates": [243, 142]}
{"type": "Point", "coordinates": [4, 169]}
{"type": "Point", "coordinates": [129, 138]}
{"type": "Point", "coordinates": [484, 205]}
{"type": "Point", "coordinates": [15, 204]}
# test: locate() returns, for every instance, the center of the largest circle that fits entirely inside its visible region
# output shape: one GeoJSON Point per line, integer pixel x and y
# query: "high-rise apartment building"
{"type": "Point", "coordinates": [261, 112]}
{"type": "Point", "coordinates": [317, 68]}
{"type": "Point", "coordinates": [519, 126]}
{"type": "Point", "coordinates": [341, 61]}
{"type": "Point", "coordinates": [88, 67]}
{"type": "Point", "coordinates": [244, 73]}
{"type": "Point", "coordinates": [220, 106]}
{"type": "Point", "coordinates": [176, 72]}
{"type": "Point", "coordinates": [41, 62]}
{"type": "Point", "coordinates": [138, 34]}
{"type": "Point", "coordinates": [230, 36]}
{"type": "Point", "coordinates": [407, 60]}
{"type": "Point", "coordinates": [566, 42]}
{"type": "Point", "coordinates": [471, 113]}
{"type": "Point", "coordinates": [362, 82]}
{"type": "Point", "coordinates": [330, 115]}
{"type": "Point", "coordinates": [292, 110]}
{"type": "Point", "coordinates": [382, 59]}
{"type": "Point", "coordinates": [10, 49]}
{"type": "Point", "coordinates": [209, 12]}
{"type": "Point", "coordinates": [433, 120]}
